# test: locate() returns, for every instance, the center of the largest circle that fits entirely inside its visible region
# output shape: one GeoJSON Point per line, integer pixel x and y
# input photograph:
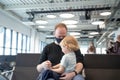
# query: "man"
{"type": "Point", "coordinates": [116, 48]}
{"type": "Point", "coordinates": [52, 55]}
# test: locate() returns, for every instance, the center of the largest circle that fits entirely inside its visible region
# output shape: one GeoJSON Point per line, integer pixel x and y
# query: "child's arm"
{"type": "Point", "coordinates": [56, 66]}
{"type": "Point", "coordinates": [59, 69]}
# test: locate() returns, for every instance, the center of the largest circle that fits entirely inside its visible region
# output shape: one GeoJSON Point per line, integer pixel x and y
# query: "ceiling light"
{"type": "Point", "coordinates": [76, 36]}
{"type": "Point", "coordinates": [28, 23]}
{"type": "Point", "coordinates": [41, 26]}
{"type": "Point", "coordinates": [90, 36]}
{"type": "Point", "coordinates": [41, 22]}
{"type": "Point", "coordinates": [69, 22]}
{"type": "Point", "coordinates": [97, 22]}
{"type": "Point", "coordinates": [71, 26]}
{"type": "Point", "coordinates": [94, 33]}
{"type": "Point", "coordinates": [66, 15]}
{"type": "Point", "coordinates": [74, 33]}
{"type": "Point", "coordinates": [51, 16]}
{"type": "Point", "coordinates": [102, 26]}
{"type": "Point", "coordinates": [105, 13]}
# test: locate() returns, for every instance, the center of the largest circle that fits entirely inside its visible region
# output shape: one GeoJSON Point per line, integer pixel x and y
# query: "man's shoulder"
{"type": "Point", "coordinates": [51, 44]}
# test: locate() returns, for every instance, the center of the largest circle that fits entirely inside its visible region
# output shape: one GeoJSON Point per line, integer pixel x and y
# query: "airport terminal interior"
{"type": "Point", "coordinates": [27, 26]}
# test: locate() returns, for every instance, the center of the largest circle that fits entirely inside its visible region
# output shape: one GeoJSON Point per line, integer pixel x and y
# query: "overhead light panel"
{"type": "Point", "coordinates": [41, 26]}
{"type": "Point", "coordinates": [74, 33]}
{"type": "Point", "coordinates": [90, 36]}
{"type": "Point", "coordinates": [69, 22]}
{"type": "Point", "coordinates": [71, 26]}
{"type": "Point", "coordinates": [66, 15]}
{"type": "Point", "coordinates": [105, 13]}
{"type": "Point", "coordinates": [51, 16]}
{"type": "Point", "coordinates": [97, 22]}
{"type": "Point", "coordinates": [41, 22]}
{"type": "Point", "coordinates": [94, 33]}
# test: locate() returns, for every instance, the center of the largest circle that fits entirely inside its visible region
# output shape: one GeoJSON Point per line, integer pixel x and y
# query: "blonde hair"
{"type": "Point", "coordinates": [70, 42]}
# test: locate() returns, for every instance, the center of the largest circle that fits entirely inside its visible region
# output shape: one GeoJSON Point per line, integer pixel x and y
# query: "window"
{"type": "Point", "coordinates": [12, 42]}
{"type": "Point", "coordinates": [28, 44]}
{"type": "Point", "coordinates": [42, 45]}
{"type": "Point", "coordinates": [14, 39]}
{"type": "Point", "coordinates": [1, 39]}
{"type": "Point", "coordinates": [24, 44]}
{"type": "Point", "coordinates": [7, 42]}
{"type": "Point", "coordinates": [19, 42]}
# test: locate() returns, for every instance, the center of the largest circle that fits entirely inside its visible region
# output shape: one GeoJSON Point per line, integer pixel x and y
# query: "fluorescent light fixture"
{"type": "Point", "coordinates": [41, 22]}
{"type": "Point", "coordinates": [71, 26]}
{"type": "Point", "coordinates": [74, 33]}
{"type": "Point", "coordinates": [28, 23]}
{"type": "Point", "coordinates": [90, 36]}
{"type": "Point", "coordinates": [76, 36]}
{"type": "Point", "coordinates": [41, 26]}
{"type": "Point", "coordinates": [94, 33]}
{"type": "Point", "coordinates": [50, 36]}
{"type": "Point", "coordinates": [69, 22]}
{"type": "Point", "coordinates": [97, 22]}
{"type": "Point", "coordinates": [102, 26]}
{"type": "Point", "coordinates": [105, 13]}
{"type": "Point", "coordinates": [66, 15]}
{"type": "Point", "coordinates": [51, 16]}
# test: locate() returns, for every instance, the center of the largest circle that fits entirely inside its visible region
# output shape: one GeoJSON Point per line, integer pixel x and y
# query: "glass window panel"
{"type": "Point", "coordinates": [23, 51]}
{"type": "Point", "coordinates": [1, 36]}
{"type": "Point", "coordinates": [8, 38]}
{"type": "Point", "coordinates": [42, 45]}
{"type": "Point", "coordinates": [1, 51]}
{"type": "Point", "coordinates": [19, 51]}
{"type": "Point", "coordinates": [28, 44]}
{"type": "Point", "coordinates": [19, 41]}
{"type": "Point", "coordinates": [24, 43]}
{"type": "Point", "coordinates": [14, 52]}
{"type": "Point", "coordinates": [7, 51]}
{"type": "Point", "coordinates": [14, 40]}
{"type": "Point", "coordinates": [98, 51]}
{"type": "Point", "coordinates": [103, 50]}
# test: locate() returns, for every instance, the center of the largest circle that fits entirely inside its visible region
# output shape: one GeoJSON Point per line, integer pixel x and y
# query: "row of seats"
{"type": "Point", "coordinates": [102, 67]}
{"type": "Point", "coordinates": [26, 67]}
{"type": "Point", "coordinates": [96, 67]}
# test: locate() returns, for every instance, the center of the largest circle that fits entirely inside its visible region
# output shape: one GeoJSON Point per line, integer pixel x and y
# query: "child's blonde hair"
{"type": "Point", "coordinates": [70, 42]}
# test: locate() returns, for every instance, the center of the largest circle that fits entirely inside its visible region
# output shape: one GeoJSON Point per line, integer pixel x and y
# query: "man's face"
{"type": "Point", "coordinates": [60, 33]}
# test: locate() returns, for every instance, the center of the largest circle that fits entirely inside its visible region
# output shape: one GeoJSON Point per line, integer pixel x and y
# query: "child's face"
{"type": "Point", "coordinates": [64, 49]}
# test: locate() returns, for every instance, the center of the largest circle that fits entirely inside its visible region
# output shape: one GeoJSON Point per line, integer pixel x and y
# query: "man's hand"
{"type": "Point", "coordinates": [67, 76]}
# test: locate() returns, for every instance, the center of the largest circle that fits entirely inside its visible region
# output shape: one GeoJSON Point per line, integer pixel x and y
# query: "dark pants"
{"type": "Point", "coordinates": [46, 74]}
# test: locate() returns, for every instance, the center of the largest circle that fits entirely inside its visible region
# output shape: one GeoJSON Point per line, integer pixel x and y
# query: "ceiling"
{"type": "Point", "coordinates": [85, 11]}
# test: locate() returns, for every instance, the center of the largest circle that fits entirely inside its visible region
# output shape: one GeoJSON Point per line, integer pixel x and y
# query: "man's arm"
{"type": "Point", "coordinates": [79, 67]}
{"type": "Point", "coordinates": [69, 76]}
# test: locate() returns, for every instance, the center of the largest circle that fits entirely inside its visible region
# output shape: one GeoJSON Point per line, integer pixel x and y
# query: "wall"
{"type": "Point", "coordinates": [12, 23]}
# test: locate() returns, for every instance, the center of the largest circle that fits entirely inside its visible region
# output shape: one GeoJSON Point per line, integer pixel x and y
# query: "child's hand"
{"type": "Point", "coordinates": [47, 64]}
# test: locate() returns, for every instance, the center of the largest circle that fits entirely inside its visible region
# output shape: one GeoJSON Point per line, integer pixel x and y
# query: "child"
{"type": "Point", "coordinates": [67, 64]}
